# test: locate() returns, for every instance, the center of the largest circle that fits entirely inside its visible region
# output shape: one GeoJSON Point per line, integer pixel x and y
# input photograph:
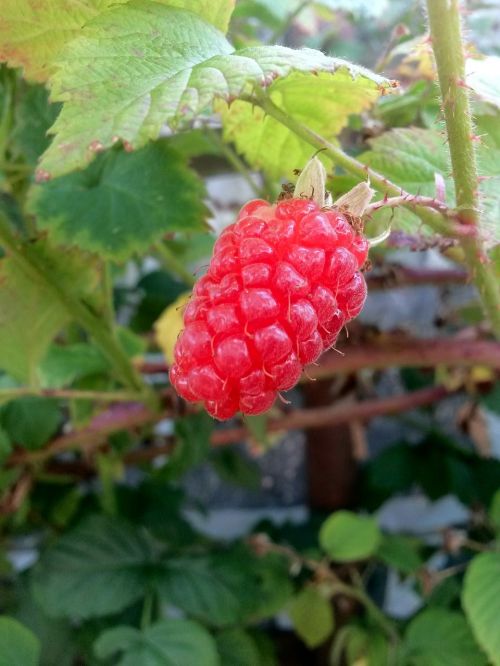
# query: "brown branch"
{"type": "Point", "coordinates": [393, 276]}
{"type": "Point", "coordinates": [337, 414]}
{"type": "Point", "coordinates": [394, 351]}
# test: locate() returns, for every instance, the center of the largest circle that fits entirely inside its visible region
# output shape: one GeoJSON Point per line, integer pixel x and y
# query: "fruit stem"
{"type": "Point", "coordinates": [447, 44]}
{"type": "Point", "coordinates": [352, 165]}
{"type": "Point", "coordinates": [475, 257]}
{"type": "Point", "coordinates": [33, 266]}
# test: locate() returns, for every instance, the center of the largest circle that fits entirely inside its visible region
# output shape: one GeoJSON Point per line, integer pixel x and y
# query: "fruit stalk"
{"type": "Point", "coordinates": [447, 44]}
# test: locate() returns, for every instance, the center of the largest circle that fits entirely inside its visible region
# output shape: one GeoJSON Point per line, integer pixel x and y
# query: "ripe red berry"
{"type": "Point", "coordinates": [282, 282]}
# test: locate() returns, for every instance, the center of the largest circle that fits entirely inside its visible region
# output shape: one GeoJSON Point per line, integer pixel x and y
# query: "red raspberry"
{"type": "Point", "coordinates": [282, 282]}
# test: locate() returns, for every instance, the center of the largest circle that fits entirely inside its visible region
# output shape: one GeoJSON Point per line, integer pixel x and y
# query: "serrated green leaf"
{"type": "Point", "coordinates": [31, 421]}
{"type": "Point", "coordinates": [323, 102]}
{"type": "Point", "coordinates": [98, 568]}
{"type": "Point", "coordinates": [136, 67]}
{"type": "Point", "coordinates": [165, 643]}
{"type": "Point", "coordinates": [237, 648]}
{"type": "Point", "coordinates": [122, 203]}
{"type": "Point", "coordinates": [346, 537]}
{"type": "Point", "coordinates": [226, 588]}
{"type": "Point", "coordinates": [201, 589]}
{"type": "Point", "coordinates": [412, 157]}
{"type": "Point", "coordinates": [30, 317]}
{"type": "Point", "coordinates": [400, 552]}
{"type": "Point", "coordinates": [438, 637]}
{"type": "Point", "coordinates": [312, 616]}
{"type": "Point", "coordinates": [18, 645]}
{"type": "Point", "coordinates": [32, 35]}
{"type": "Point", "coordinates": [481, 602]}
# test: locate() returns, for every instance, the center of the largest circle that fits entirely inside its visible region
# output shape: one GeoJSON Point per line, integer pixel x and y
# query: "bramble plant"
{"type": "Point", "coordinates": [114, 117]}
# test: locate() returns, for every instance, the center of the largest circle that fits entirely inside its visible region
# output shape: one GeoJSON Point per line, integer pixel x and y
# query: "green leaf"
{"type": "Point", "coordinates": [400, 552]}
{"type": "Point", "coordinates": [366, 646]}
{"type": "Point", "coordinates": [30, 317]}
{"type": "Point", "coordinates": [33, 34]}
{"type": "Point", "coordinates": [98, 568]}
{"type": "Point", "coordinates": [192, 446]}
{"type": "Point", "coordinates": [18, 645]}
{"type": "Point", "coordinates": [412, 157]}
{"type": "Point", "coordinates": [323, 102]}
{"type": "Point", "coordinates": [346, 537]}
{"type": "Point", "coordinates": [227, 587]}
{"type": "Point", "coordinates": [237, 648]}
{"type": "Point", "coordinates": [216, 12]}
{"type": "Point", "coordinates": [233, 467]}
{"type": "Point", "coordinates": [136, 67]}
{"type": "Point", "coordinates": [31, 421]}
{"type": "Point", "coordinates": [63, 365]}
{"type": "Point", "coordinates": [438, 637]}
{"type": "Point", "coordinates": [312, 616]}
{"type": "Point", "coordinates": [166, 643]}
{"type": "Point", "coordinates": [481, 602]}
{"type": "Point", "coordinates": [201, 588]}
{"type": "Point", "coordinates": [34, 115]}
{"type": "Point", "coordinates": [122, 203]}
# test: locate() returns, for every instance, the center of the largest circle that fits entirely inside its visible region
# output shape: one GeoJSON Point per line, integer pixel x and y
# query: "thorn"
{"type": "Point", "coordinates": [42, 176]}
{"type": "Point", "coordinates": [96, 146]}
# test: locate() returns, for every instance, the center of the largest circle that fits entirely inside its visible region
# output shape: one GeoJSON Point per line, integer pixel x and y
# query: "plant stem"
{"type": "Point", "coordinates": [171, 262]}
{"type": "Point", "coordinates": [34, 267]}
{"type": "Point", "coordinates": [372, 609]}
{"type": "Point", "coordinates": [352, 165]}
{"type": "Point", "coordinates": [148, 609]}
{"type": "Point", "coordinates": [69, 394]}
{"type": "Point", "coordinates": [446, 36]}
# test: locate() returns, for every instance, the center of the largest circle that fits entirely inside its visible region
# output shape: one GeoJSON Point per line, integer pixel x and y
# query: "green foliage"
{"type": "Point", "coordinates": [98, 455]}
{"type": "Point", "coordinates": [400, 552]}
{"type": "Point", "coordinates": [237, 648]}
{"type": "Point", "coordinates": [99, 568]}
{"type": "Point", "coordinates": [33, 35]}
{"type": "Point", "coordinates": [312, 616]}
{"type": "Point", "coordinates": [166, 643]}
{"type": "Point", "coordinates": [122, 204]}
{"type": "Point", "coordinates": [174, 90]}
{"type": "Point", "coordinates": [19, 645]}
{"type": "Point", "coordinates": [481, 601]}
{"type": "Point", "coordinates": [438, 637]}
{"type": "Point", "coordinates": [30, 317]}
{"type": "Point", "coordinates": [323, 101]}
{"type": "Point", "coordinates": [346, 537]}
{"type": "Point", "coordinates": [30, 422]}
